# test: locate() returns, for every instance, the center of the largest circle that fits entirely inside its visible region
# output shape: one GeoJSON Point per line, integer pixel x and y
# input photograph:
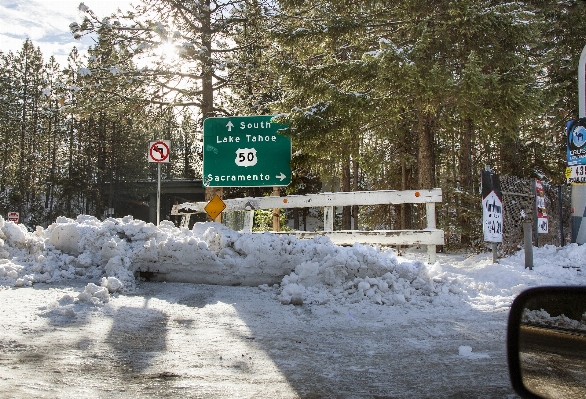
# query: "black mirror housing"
{"type": "Point", "coordinates": [546, 343]}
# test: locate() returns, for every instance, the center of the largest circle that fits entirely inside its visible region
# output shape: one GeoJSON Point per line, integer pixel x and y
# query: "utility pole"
{"type": "Point", "coordinates": [579, 189]}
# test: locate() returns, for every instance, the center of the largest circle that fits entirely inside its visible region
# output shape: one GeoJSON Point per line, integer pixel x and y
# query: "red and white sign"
{"type": "Point", "coordinates": [542, 222]}
{"type": "Point", "coordinates": [159, 151]}
{"type": "Point", "coordinates": [13, 217]}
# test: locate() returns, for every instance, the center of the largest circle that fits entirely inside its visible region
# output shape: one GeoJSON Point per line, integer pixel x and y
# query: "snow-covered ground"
{"type": "Point", "coordinates": [347, 322]}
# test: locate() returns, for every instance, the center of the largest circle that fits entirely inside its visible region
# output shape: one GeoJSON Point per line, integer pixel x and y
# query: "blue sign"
{"type": "Point", "coordinates": [576, 141]}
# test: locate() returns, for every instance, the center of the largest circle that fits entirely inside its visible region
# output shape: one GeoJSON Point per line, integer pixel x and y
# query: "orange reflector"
{"type": "Point", "coordinates": [285, 200]}
{"type": "Point", "coordinates": [417, 193]}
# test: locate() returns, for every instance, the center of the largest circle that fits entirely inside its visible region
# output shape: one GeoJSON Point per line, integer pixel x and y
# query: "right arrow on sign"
{"type": "Point", "coordinates": [281, 176]}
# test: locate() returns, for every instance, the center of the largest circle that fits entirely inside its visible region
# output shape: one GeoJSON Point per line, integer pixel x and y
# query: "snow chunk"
{"type": "Point", "coordinates": [112, 284]}
{"type": "Point", "coordinates": [466, 352]}
{"type": "Point", "coordinates": [95, 294]}
{"type": "Point", "coordinates": [292, 295]}
{"type": "Point", "coordinates": [16, 234]}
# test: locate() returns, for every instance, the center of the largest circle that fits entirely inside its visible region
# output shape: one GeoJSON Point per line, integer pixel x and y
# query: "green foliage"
{"type": "Point", "coordinates": [263, 221]}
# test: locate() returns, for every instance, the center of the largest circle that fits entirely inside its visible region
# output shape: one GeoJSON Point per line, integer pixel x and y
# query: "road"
{"type": "Point", "coordinates": [553, 362]}
{"type": "Point", "coordinates": [198, 341]}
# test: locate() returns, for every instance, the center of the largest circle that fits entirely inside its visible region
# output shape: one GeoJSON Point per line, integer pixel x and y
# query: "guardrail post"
{"type": "Point", "coordinates": [328, 218]}
{"type": "Point", "coordinates": [248, 222]}
{"type": "Point", "coordinates": [185, 220]}
{"type": "Point", "coordinates": [527, 233]}
{"type": "Point", "coordinates": [430, 216]}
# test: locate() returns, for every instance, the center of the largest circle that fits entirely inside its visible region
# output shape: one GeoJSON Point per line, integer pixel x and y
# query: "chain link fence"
{"type": "Point", "coordinates": [519, 207]}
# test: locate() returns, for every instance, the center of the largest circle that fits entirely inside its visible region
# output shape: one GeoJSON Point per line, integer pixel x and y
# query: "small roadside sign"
{"type": "Point", "coordinates": [576, 174]}
{"type": "Point", "coordinates": [13, 217]}
{"type": "Point", "coordinates": [492, 207]}
{"type": "Point", "coordinates": [215, 207]}
{"type": "Point", "coordinates": [159, 151]}
{"type": "Point", "coordinates": [542, 219]}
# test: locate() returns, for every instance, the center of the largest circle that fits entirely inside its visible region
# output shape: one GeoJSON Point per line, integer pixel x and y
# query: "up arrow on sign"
{"type": "Point", "coordinates": [229, 125]}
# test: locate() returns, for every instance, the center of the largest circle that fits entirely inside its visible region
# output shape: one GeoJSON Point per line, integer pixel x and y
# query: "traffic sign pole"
{"type": "Point", "coordinates": [579, 190]}
{"type": "Point", "coordinates": [158, 193]}
{"type": "Point", "coordinates": [159, 152]}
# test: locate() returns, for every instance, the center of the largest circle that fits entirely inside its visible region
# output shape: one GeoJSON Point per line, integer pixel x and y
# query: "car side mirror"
{"type": "Point", "coordinates": [546, 343]}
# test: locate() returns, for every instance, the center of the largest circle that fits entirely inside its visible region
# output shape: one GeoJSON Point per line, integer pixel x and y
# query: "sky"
{"type": "Point", "coordinates": [46, 24]}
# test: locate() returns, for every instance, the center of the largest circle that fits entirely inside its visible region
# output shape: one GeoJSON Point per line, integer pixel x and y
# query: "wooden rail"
{"type": "Point", "coordinates": [430, 236]}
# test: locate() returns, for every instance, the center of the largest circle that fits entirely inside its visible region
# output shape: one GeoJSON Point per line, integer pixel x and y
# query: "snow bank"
{"type": "Point", "coordinates": [110, 253]}
{"type": "Point", "coordinates": [542, 318]}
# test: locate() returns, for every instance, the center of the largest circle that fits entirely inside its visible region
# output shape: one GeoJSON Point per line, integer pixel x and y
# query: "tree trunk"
{"type": "Point", "coordinates": [346, 216]}
{"type": "Point", "coordinates": [22, 152]}
{"type": "Point", "coordinates": [355, 209]}
{"type": "Point", "coordinates": [425, 157]}
{"type": "Point", "coordinates": [207, 84]}
{"type": "Point", "coordinates": [465, 177]}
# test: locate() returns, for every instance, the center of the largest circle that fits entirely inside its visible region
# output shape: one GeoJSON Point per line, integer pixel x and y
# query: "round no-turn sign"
{"type": "Point", "coordinates": [159, 151]}
{"type": "Point", "coordinates": [13, 217]}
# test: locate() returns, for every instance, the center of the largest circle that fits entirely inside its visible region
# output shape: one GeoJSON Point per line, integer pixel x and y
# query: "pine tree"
{"type": "Point", "coordinates": [27, 82]}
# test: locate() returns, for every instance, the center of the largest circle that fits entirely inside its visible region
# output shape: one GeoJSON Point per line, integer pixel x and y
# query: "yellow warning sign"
{"type": "Point", "coordinates": [568, 173]}
{"type": "Point", "coordinates": [215, 207]}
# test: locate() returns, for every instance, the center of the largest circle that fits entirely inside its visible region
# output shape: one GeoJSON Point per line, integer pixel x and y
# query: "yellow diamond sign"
{"type": "Point", "coordinates": [215, 207]}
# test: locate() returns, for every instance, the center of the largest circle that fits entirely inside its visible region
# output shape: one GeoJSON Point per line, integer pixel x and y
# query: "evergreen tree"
{"type": "Point", "coordinates": [27, 79]}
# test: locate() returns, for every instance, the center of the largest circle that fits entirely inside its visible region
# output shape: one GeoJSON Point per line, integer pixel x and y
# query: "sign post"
{"type": "Point", "coordinates": [577, 158]}
{"type": "Point", "coordinates": [159, 152]}
{"type": "Point", "coordinates": [245, 151]}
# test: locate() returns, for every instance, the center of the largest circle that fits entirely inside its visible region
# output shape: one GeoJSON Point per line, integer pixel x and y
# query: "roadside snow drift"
{"type": "Point", "coordinates": [109, 254]}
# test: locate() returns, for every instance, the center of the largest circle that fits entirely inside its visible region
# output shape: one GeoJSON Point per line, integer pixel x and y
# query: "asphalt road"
{"type": "Point", "coordinates": [553, 362]}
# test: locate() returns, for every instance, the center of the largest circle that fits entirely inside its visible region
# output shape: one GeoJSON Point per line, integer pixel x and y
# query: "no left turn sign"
{"type": "Point", "coordinates": [13, 217]}
{"type": "Point", "coordinates": [159, 151]}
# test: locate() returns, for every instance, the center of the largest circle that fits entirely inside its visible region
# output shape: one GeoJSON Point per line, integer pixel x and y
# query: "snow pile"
{"type": "Point", "coordinates": [351, 275]}
{"type": "Point", "coordinates": [543, 318]}
{"type": "Point", "coordinates": [108, 254]}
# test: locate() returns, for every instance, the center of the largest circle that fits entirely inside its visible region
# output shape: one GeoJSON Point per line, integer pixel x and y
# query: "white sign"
{"type": "Point", "coordinates": [246, 157]}
{"type": "Point", "coordinates": [576, 174]}
{"type": "Point", "coordinates": [492, 217]}
{"type": "Point", "coordinates": [13, 217]}
{"type": "Point", "coordinates": [159, 151]}
{"type": "Point", "coordinates": [542, 222]}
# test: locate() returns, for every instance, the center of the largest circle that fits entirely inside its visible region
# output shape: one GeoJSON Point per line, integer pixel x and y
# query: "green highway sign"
{"type": "Point", "coordinates": [245, 151]}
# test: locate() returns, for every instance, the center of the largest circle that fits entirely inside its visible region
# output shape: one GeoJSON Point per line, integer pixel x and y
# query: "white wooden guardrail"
{"type": "Point", "coordinates": [430, 236]}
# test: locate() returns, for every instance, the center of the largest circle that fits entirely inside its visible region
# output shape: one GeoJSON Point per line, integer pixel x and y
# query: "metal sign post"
{"type": "Point", "coordinates": [159, 152]}
{"type": "Point", "coordinates": [578, 203]}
